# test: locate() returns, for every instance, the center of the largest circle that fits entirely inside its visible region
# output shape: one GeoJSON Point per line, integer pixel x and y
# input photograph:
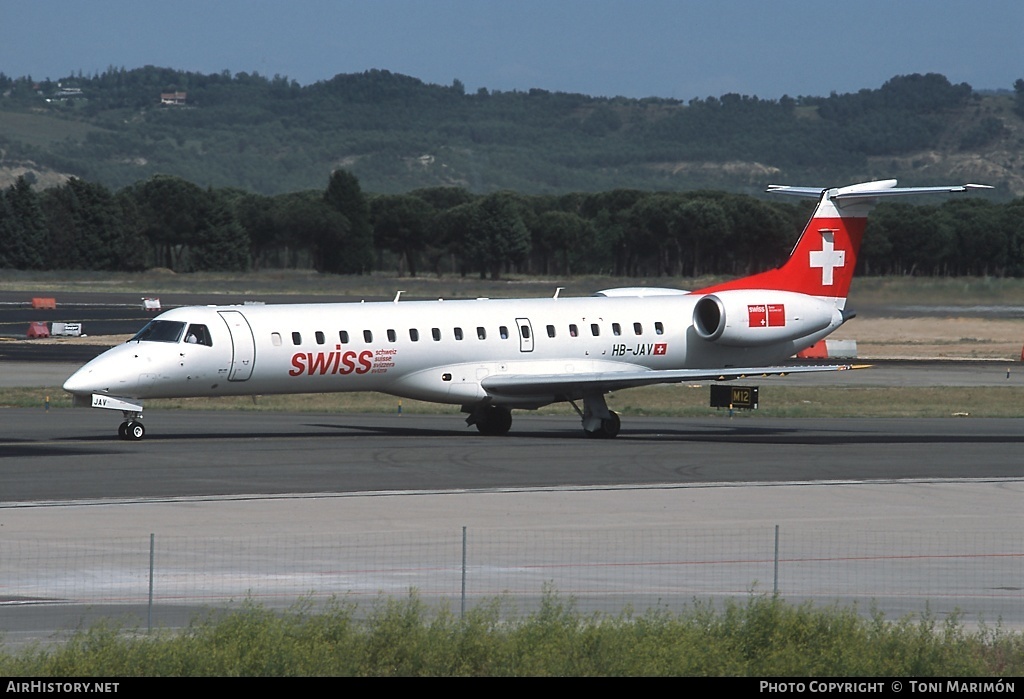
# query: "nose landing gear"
{"type": "Point", "coordinates": [131, 430]}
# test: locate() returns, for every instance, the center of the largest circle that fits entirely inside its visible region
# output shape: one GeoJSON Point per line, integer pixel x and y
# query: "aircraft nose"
{"type": "Point", "coordinates": [74, 383]}
{"type": "Point", "coordinates": [82, 381]}
{"type": "Point", "coordinates": [104, 374]}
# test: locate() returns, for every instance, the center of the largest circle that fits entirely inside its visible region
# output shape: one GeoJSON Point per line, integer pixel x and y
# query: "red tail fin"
{"type": "Point", "coordinates": [824, 258]}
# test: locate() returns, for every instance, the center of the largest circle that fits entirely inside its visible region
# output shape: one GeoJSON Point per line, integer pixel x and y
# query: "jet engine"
{"type": "Point", "coordinates": [754, 317]}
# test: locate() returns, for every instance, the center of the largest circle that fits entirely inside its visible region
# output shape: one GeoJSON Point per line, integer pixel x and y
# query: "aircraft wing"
{"type": "Point", "coordinates": [576, 384]}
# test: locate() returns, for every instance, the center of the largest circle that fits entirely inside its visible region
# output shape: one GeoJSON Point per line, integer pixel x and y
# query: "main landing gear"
{"type": "Point", "coordinates": [609, 428]}
{"type": "Point", "coordinates": [598, 421]}
{"type": "Point", "coordinates": [490, 420]}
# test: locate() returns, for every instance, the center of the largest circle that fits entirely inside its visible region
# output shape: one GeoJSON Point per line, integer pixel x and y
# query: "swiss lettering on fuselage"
{"type": "Point", "coordinates": [337, 362]}
{"type": "Point", "coordinates": [654, 348]}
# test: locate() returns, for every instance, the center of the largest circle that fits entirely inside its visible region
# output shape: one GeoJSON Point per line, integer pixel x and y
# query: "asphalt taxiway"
{"type": "Point", "coordinates": [73, 454]}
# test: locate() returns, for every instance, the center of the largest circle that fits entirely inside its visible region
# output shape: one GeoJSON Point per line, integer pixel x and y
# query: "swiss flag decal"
{"type": "Point", "coordinates": [770, 315]}
{"type": "Point", "coordinates": [661, 348]}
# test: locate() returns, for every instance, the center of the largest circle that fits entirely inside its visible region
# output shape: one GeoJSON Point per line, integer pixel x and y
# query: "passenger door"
{"type": "Point", "coordinates": [243, 345]}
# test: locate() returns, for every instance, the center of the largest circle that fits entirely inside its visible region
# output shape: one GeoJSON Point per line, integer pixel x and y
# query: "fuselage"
{"type": "Point", "coordinates": [442, 351]}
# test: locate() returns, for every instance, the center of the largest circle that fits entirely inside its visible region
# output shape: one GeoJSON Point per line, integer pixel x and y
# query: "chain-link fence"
{"type": "Point", "coordinates": [156, 580]}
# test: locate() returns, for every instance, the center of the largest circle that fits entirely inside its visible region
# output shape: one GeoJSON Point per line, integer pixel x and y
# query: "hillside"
{"type": "Point", "coordinates": [396, 133]}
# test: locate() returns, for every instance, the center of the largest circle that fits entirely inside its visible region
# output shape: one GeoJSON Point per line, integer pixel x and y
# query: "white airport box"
{"type": "Point", "coordinates": [66, 329]}
{"type": "Point", "coordinates": [841, 348]}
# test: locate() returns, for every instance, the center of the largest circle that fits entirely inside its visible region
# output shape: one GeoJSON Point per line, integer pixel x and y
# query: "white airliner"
{"type": "Point", "coordinates": [491, 356]}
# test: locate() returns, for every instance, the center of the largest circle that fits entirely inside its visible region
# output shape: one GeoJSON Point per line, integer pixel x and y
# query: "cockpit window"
{"type": "Point", "coordinates": [160, 331]}
{"type": "Point", "coordinates": [198, 335]}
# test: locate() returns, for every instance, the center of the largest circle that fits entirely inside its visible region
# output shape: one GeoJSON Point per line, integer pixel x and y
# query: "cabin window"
{"type": "Point", "coordinates": [414, 334]}
{"type": "Point", "coordinates": [524, 330]}
{"type": "Point", "coordinates": [573, 330]}
{"type": "Point", "coordinates": [595, 329]}
{"type": "Point", "coordinates": [659, 328]}
{"type": "Point", "coordinates": [198, 335]}
{"type": "Point", "coordinates": [458, 333]}
{"type": "Point", "coordinates": [275, 339]}
{"type": "Point", "coordinates": [320, 339]}
{"type": "Point", "coordinates": [503, 331]}
{"type": "Point", "coordinates": [367, 336]}
{"type": "Point", "coordinates": [551, 331]}
{"type": "Point", "coordinates": [160, 331]}
{"type": "Point", "coordinates": [481, 334]}
{"type": "Point", "coordinates": [638, 329]}
{"type": "Point", "coordinates": [436, 334]}
{"type": "Point", "coordinates": [343, 336]}
{"type": "Point", "coordinates": [392, 335]}
{"type": "Point", "coordinates": [616, 329]}
{"type": "Point", "coordinates": [296, 338]}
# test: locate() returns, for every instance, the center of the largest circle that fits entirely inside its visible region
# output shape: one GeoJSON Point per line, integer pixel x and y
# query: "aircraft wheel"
{"type": "Point", "coordinates": [503, 418]}
{"type": "Point", "coordinates": [122, 430]}
{"type": "Point", "coordinates": [496, 421]}
{"type": "Point", "coordinates": [609, 428]}
{"type": "Point", "coordinates": [134, 431]}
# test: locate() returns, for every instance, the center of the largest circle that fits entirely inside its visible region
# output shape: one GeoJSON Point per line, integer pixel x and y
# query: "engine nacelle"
{"type": "Point", "coordinates": [756, 317]}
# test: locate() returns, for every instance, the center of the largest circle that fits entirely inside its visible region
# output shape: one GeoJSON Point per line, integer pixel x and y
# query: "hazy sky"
{"type": "Point", "coordinates": [635, 48]}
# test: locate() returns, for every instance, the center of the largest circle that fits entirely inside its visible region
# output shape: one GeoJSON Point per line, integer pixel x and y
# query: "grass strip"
{"type": "Point", "coordinates": [661, 401]}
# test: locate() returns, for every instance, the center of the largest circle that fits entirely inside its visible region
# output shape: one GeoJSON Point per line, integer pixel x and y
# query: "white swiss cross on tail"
{"type": "Point", "coordinates": [828, 258]}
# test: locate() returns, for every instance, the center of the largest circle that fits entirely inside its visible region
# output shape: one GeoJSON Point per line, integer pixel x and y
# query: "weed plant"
{"type": "Point", "coordinates": [761, 636]}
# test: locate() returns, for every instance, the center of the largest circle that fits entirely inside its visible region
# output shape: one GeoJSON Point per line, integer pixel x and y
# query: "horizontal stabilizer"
{"type": "Point", "coordinates": [897, 191]}
{"type": "Point", "coordinates": [882, 188]}
{"type": "Point", "coordinates": [811, 192]}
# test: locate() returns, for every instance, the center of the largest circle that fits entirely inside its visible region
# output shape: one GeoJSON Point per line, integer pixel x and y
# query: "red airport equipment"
{"type": "Point", "coordinates": [816, 351]}
{"type": "Point", "coordinates": [37, 329]}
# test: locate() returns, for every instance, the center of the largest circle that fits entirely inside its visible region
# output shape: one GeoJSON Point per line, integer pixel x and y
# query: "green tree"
{"type": "Point", "coordinates": [924, 240]}
{"type": "Point", "coordinates": [258, 215]}
{"type": "Point", "coordinates": [86, 227]}
{"type": "Point", "coordinates": [701, 228]}
{"type": "Point", "coordinates": [456, 226]}
{"type": "Point", "coordinates": [982, 238]}
{"type": "Point", "coordinates": [22, 228]}
{"type": "Point", "coordinates": [501, 239]}
{"type": "Point", "coordinates": [444, 198]}
{"type": "Point", "coordinates": [220, 243]}
{"type": "Point", "coordinates": [760, 235]}
{"type": "Point", "coordinates": [352, 251]}
{"type": "Point", "coordinates": [559, 234]}
{"type": "Point", "coordinates": [650, 233]}
{"type": "Point", "coordinates": [171, 211]}
{"type": "Point", "coordinates": [609, 212]}
{"type": "Point", "coordinates": [400, 224]}
{"type": "Point", "coordinates": [307, 222]}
